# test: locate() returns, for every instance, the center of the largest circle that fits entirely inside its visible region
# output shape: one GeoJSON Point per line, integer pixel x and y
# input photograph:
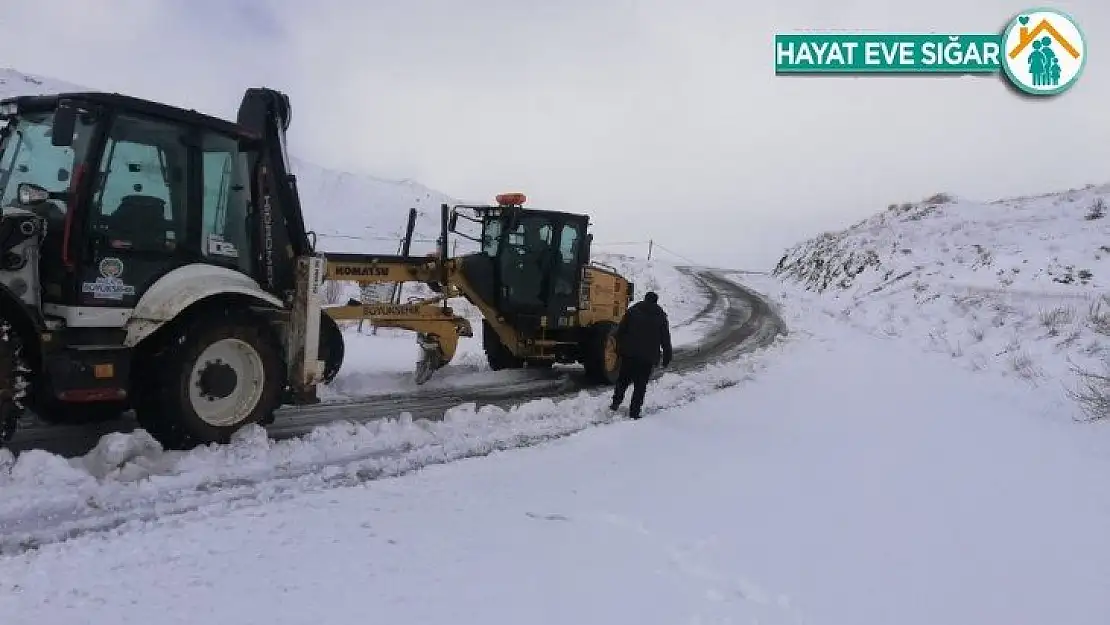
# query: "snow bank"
{"type": "Point", "coordinates": [1017, 286]}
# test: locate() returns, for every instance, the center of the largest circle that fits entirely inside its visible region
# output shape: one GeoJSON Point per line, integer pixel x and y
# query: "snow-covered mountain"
{"type": "Point", "coordinates": [1017, 284]}
{"type": "Point", "coordinates": [348, 212]}
{"type": "Point", "coordinates": [15, 83]}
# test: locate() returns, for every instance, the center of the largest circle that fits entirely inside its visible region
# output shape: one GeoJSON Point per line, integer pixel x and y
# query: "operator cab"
{"type": "Point", "coordinates": [529, 262]}
{"type": "Point", "coordinates": [131, 190]}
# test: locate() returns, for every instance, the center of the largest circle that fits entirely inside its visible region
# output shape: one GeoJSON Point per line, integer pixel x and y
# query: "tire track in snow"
{"type": "Point", "coordinates": [746, 323]}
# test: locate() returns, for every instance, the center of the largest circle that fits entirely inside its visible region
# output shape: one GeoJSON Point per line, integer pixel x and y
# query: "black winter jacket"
{"type": "Point", "coordinates": [644, 332]}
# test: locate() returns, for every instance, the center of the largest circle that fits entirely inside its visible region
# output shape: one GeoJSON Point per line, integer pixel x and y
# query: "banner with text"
{"type": "Point", "coordinates": [1041, 51]}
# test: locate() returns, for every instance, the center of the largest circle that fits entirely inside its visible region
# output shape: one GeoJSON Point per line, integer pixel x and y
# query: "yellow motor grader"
{"type": "Point", "coordinates": [541, 300]}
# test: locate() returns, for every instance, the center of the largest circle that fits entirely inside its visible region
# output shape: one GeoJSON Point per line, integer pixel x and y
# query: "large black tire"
{"type": "Point", "coordinates": [211, 376]}
{"type": "Point", "coordinates": [497, 355]}
{"type": "Point", "coordinates": [331, 347]}
{"type": "Point", "coordinates": [599, 353]}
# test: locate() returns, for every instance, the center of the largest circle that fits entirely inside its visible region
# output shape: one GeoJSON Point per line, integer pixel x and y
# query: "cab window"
{"type": "Point", "coordinates": [224, 235]}
{"type": "Point", "coordinates": [491, 238]}
{"type": "Point", "coordinates": [139, 202]}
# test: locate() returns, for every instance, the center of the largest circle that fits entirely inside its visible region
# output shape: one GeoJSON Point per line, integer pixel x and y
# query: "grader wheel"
{"type": "Point", "coordinates": [498, 356]}
{"type": "Point", "coordinates": [599, 353]}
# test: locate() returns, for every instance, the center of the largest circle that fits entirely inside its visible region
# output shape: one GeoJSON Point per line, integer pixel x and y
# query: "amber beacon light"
{"type": "Point", "coordinates": [511, 199]}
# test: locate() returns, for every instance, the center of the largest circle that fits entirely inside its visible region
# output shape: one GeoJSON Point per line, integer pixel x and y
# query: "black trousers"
{"type": "Point", "coordinates": [635, 372]}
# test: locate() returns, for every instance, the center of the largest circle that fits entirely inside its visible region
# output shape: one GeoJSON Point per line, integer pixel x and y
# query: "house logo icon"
{"type": "Point", "coordinates": [1044, 51]}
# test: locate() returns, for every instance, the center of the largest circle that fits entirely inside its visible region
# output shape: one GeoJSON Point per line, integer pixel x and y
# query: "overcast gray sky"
{"type": "Point", "coordinates": [662, 118]}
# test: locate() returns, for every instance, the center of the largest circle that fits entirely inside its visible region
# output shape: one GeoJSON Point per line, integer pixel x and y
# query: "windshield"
{"type": "Point", "coordinates": [26, 156]}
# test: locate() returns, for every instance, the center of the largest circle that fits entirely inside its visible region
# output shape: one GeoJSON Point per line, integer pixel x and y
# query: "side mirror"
{"type": "Point", "coordinates": [65, 122]}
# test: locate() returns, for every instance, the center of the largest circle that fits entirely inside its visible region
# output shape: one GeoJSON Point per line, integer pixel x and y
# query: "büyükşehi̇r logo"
{"type": "Point", "coordinates": [1043, 51]}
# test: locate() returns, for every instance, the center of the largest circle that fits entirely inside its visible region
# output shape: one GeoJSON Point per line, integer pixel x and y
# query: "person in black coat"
{"type": "Point", "coordinates": [643, 342]}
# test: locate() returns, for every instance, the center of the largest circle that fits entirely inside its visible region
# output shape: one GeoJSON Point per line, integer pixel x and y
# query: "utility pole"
{"type": "Point", "coordinates": [651, 244]}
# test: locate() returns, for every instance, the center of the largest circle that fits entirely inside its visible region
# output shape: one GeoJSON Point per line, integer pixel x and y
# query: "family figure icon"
{"type": "Point", "coordinates": [1043, 64]}
{"type": "Point", "coordinates": [1045, 52]}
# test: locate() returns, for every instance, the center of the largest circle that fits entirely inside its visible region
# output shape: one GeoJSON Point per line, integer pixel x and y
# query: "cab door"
{"type": "Point", "coordinates": [138, 225]}
{"type": "Point", "coordinates": [566, 271]}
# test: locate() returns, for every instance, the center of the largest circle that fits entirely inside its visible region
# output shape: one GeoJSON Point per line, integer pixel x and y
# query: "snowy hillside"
{"type": "Point", "coordinates": [14, 83]}
{"type": "Point", "coordinates": [351, 213]}
{"type": "Point", "coordinates": [348, 212]}
{"type": "Point", "coordinates": [1016, 285]}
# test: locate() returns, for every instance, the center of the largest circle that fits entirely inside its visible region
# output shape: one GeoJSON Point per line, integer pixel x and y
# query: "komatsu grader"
{"type": "Point", "coordinates": [156, 259]}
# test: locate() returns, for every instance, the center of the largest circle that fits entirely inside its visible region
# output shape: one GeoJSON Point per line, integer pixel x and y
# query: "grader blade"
{"type": "Point", "coordinates": [437, 328]}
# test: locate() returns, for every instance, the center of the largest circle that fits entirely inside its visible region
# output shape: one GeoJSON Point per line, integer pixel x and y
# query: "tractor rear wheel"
{"type": "Point", "coordinates": [216, 374]}
{"type": "Point", "coordinates": [599, 353]}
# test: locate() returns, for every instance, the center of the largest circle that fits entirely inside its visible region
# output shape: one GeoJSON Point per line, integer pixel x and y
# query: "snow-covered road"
{"type": "Point", "coordinates": [836, 477]}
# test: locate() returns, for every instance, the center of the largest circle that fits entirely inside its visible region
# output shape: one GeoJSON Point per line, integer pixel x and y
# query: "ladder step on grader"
{"type": "Point", "coordinates": [156, 259]}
